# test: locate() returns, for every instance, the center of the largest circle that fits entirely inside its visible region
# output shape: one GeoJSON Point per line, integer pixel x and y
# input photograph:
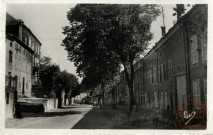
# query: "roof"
{"type": "Point", "coordinates": [170, 32]}
{"type": "Point", "coordinates": [11, 37]}
{"type": "Point", "coordinates": [10, 20]}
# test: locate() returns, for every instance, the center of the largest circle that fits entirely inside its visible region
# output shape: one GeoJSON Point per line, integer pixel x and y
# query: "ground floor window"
{"type": "Point", "coordinates": [7, 98]}
{"type": "Point", "coordinates": [196, 89]}
{"type": "Point", "coordinates": [205, 90]}
{"type": "Point", "coordinates": [165, 100]}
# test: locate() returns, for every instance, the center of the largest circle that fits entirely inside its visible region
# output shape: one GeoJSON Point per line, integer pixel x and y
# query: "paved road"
{"type": "Point", "coordinates": [78, 117]}
{"type": "Point", "coordinates": [64, 118]}
{"type": "Point", "coordinates": [70, 117]}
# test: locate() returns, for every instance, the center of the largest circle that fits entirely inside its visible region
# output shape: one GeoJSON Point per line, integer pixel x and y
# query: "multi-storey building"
{"type": "Point", "coordinates": [175, 69]}
{"type": "Point", "coordinates": [22, 54]}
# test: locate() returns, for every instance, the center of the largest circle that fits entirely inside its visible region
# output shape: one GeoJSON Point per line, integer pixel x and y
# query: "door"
{"type": "Point", "coordinates": [23, 82]}
{"type": "Point", "coordinates": [181, 88]}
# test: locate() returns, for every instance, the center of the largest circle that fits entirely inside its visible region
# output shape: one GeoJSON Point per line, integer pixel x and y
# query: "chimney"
{"type": "Point", "coordinates": [163, 30]}
{"type": "Point", "coordinates": [180, 10]}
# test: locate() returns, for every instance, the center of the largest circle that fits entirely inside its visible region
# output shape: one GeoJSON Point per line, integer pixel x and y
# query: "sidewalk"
{"type": "Point", "coordinates": [142, 119]}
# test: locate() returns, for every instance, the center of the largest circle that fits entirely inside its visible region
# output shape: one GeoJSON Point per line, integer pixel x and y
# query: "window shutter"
{"type": "Point", "coordinates": [194, 89]}
{"type": "Point", "coordinates": [194, 47]}
{"type": "Point", "coordinates": [198, 89]}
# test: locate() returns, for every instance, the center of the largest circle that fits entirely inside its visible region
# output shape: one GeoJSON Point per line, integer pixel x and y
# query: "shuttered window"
{"type": "Point", "coordinates": [165, 99]}
{"type": "Point", "coordinates": [196, 89]}
{"type": "Point", "coordinates": [194, 48]}
{"type": "Point", "coordinates": [155, 74]}
{"type": "Point", "coordinates": [10, 56]}
{"type": "Point", "coordinates": [203, 40]}
{"type": "Point", "coordinates": [205, 91]}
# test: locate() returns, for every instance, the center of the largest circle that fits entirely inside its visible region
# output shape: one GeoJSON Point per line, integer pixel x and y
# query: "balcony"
{"type": "Point", "coordinates": [10, 83]}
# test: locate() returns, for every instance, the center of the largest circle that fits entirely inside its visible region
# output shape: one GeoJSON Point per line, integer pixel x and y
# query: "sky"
{"type": "Point", "coordinates": [46, 22]}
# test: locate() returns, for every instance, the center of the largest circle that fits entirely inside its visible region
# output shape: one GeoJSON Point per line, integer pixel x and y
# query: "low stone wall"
{"type": "Point", "coordinates": [51, 103]}
{"type": "Point", "coordinates": [48, 103]}
{"type": "Point", "coordinates": [9, 107]}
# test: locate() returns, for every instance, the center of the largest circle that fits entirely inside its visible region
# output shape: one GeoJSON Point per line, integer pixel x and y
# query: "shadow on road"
{"type": "Point", "coordinates": [98, 118]}
{"type": "Point", "coordinates": [49, 114]}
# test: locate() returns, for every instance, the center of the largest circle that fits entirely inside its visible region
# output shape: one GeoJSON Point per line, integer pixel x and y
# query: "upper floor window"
{"type": "Point", "coordinates": [11, 44]}
{"type": "Point", "coordinates": [194, 48]}
{"type": "Point", "coordinates": [154, 75]}
{"type": "Point", "coordinates": [170, 65]}
{"type": "Point", "coordinates": [25, 40]}
{"type": "Point", "coordinates": [203, 39]}
{"type": "Point", "coordinates": [16, 47]}
{"type": "Point", "coordinates": [29, 42]}
{"type": "Point", "coordinates": [10, 56]}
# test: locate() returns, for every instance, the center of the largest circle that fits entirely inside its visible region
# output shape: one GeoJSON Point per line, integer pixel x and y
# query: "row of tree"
{"type": "Point", "coordinates": [102, 38]}
{"type": "Point", "coordinates": [54, 81]}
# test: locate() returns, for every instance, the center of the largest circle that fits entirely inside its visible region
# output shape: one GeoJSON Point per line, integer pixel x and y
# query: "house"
{"type": "Point", "coordinates": [175, 69]}
{"type": "Point", "coordinates": [22, 48]}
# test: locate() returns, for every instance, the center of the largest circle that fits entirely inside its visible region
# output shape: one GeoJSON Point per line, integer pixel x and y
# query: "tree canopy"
{"type": "Point", "coordinates": [103, 36]}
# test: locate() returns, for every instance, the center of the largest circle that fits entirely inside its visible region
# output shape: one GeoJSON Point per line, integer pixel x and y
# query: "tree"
{"type": "Point", "coordinates": [120, 31]}
{"type": "Point", "coordinates": [47, 75]}
{"type": "Point", "coordinates": [66, 82]}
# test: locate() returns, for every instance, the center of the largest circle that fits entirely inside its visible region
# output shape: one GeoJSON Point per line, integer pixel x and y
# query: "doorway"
{"type": "Point", "coordinates": [181, 89]}
{"type": "Point", "coordinates": [23, 90]}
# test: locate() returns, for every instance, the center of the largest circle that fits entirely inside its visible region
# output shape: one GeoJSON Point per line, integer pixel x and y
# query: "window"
{"type": "Point", "coordinates": [27, 85]}
{"type": "Point", "coordinates": [170, 65]}
{"type": "Point", "coordinates": [20, 49]}
{"type": "Point", "coordinates": [205, 90]}
{"type": "Point", "coordinates": [196, 89]}
{"type": "Point", "coordinates": [7, 98]}
{"type": "Point", "coordinates": [159, 74]}
{"type": "Point", "coordinates": [162, 73]}
{"type": "Point", "coordinates": [11, 44]}
{"type": "Point", "coordinates": [203, 39]}
{"type": "Point", "coordinates": [165, 100]}
{"type": "Point", "coordinates": [155, 75]}
{"type": "Point", "coordinates": [146, 99]}
{"type": "Point", "coordinates": [10, 56]}
{"type": "Point", "coordinates": [150, 76]}
{"type": "Point", "coordinates": [161, 100]}
{"type": "Point", "coordinates": [25, 41]}
{"type": "Point", "coordinates": [194, 47]}
{"type": "Point", "coordinates": [29, 42]}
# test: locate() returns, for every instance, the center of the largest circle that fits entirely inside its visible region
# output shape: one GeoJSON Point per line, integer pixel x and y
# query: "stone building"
{"type": "Point", "coordinates": [22, 54]}
{"type": "Point", "coordinates": [175, 69]}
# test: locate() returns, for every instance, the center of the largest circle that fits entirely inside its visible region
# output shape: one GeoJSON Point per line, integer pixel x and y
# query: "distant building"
{"type": "Point", "coordinates": [122, 91]}
{"type": "Point", "coordinates": [22, 55]}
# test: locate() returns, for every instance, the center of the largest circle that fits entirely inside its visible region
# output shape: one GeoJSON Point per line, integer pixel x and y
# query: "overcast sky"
{"type": "Point", "coordinates": [46, 22]}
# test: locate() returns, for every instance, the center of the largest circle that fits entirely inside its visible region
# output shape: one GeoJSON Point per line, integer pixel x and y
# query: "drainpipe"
{"type": "Point", "coordinates": [187, 59]}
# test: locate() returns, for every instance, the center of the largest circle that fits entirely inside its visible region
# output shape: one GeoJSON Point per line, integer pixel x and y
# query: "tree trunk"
{"type": "Point", "coordinates": [114, 95]}
{"type": "Point", "coordinates": [102, 88]}
{"type": "Point", "coordinates": [59, 94]}
{"type": "Point", "coordinates": [129, 80]}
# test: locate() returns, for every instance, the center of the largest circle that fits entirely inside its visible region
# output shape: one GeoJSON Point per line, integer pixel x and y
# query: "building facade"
{"type": "Point", "coordinates": [22, 54]}
{"type": "Point", "coordinates": [175, 69]}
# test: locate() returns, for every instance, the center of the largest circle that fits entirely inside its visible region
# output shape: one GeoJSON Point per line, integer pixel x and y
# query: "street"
{"type": "Point", "coordinates": [69, 117]}
{"type": "Point", "coordinates": [80, 117]}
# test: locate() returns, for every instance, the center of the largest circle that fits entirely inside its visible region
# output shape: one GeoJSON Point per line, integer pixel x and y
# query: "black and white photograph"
{"type": "Point", "coordinates": [106, 66]}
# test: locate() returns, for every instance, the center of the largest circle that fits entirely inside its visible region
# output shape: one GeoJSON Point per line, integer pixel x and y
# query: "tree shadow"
{"type": "Point", "coordinates": [98, 118]}
{"type": "Point", "coordinates": [49, 114]}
